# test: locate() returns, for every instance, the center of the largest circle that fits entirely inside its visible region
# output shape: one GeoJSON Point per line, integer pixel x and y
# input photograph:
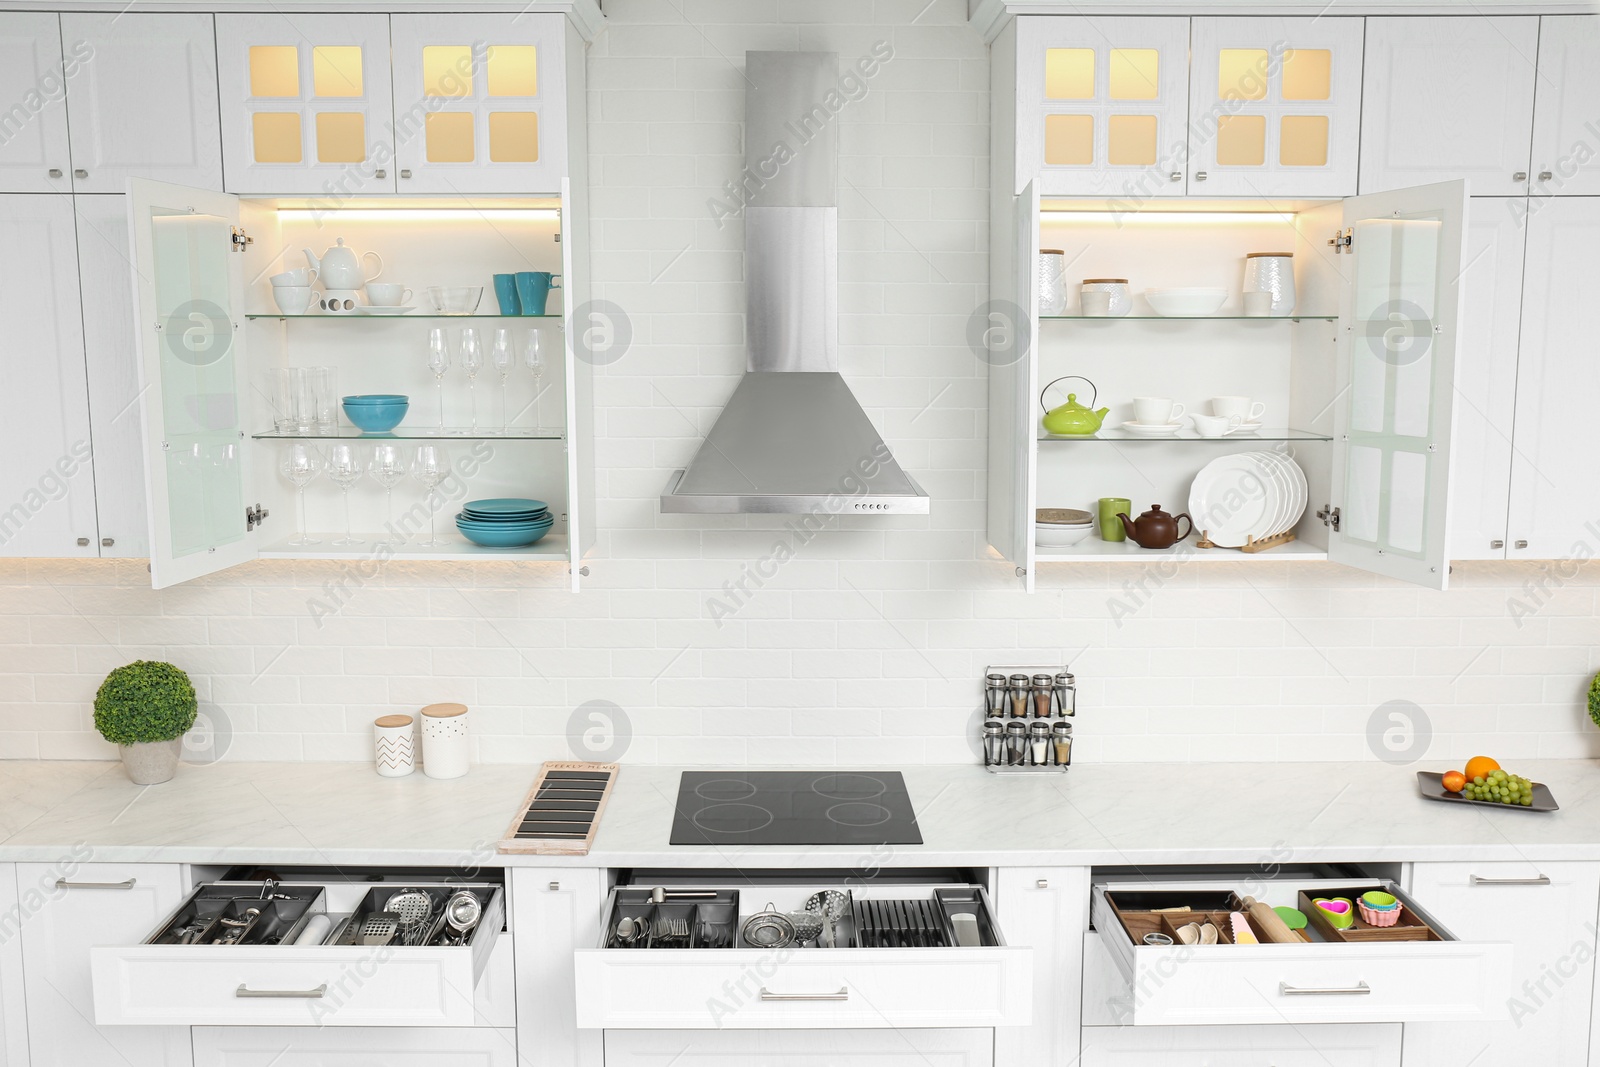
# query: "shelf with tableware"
{"type": "Point", "coordinates": [1250, 443]}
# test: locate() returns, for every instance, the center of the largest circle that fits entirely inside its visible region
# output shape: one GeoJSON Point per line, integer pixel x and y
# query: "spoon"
{"type": "Point", "coordinates": [462, 912]}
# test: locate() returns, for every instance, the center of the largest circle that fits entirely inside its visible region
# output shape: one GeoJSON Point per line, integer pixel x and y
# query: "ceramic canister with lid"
{"type": "Point", "coordinates": [395, 741]}
{"type": "Point", "coordinates": [444, 740]}
{"type": "Point", "coordinates": [1271, 272]}
{"type": "Point", "coordinates": [1052, 281]}
{"type": "Point", "coordinates": [1121, 299]}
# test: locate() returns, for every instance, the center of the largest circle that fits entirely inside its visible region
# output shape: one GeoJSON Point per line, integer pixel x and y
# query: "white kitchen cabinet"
{"type": "Point", "coordinates": [1100, 104]}
{"type": "Point", "coordinates": [306, 104]}
{"type": "Point", "coordinates": [800, 1048]}
{"type": "Point", "coordinates": [1046, 908]}
{"type": "Point", "coordinates": [145, 104]}
{"type": "Point", "coordinates": [556, 912]}
{"type": "Point", "coordinates": [82, 905]}
{"type": "Point", "coordinates": [13, 1008]}
{"type": "Point", "coordinates": [1448, 98]}
{"type": "Point", "coordinates": [263, 1046]}
{"type": "Point", "coordinates": [1566, 123]}
{"type": "Point", "coordinates": [480, 102]}
{"type": "Point", "coordinates": [1274, 106]}
{"type": "Point", "coordinates": [47, 488]}
{"type": "Point", "coordinates": [1368, 1045]}
{"type": "Point", "coordinates": [1486, 376]}
{"type": "Point", "coordinates": [1550, 909]}
{"type": "Point", "coordinates": [1555, 499]}
{"type": "Point", "coordinates": [34, 153]}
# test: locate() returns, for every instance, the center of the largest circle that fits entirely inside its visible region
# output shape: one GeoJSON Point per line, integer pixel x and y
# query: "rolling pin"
{"type": "Point", "coordinates": [1268, 922]}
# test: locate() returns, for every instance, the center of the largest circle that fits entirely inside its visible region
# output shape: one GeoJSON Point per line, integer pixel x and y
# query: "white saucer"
{"type": "Point", "coordinates": [1245, 427]}
{"type": "Point", "coordinates": [371, 309]}
{"type": "Point", "coordinates": [1152, 430]}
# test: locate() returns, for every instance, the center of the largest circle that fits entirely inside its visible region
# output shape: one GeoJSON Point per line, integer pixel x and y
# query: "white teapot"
{"type": "Point", "coordinates": [340, 267]}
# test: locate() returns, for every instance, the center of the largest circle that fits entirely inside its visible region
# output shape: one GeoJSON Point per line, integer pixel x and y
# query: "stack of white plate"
{"type": "Point", "coordinates": [1248, 496]}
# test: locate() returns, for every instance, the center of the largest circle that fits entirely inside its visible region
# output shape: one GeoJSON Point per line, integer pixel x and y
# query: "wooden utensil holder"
{"type": "Point", "coordinates": [1409, 928]}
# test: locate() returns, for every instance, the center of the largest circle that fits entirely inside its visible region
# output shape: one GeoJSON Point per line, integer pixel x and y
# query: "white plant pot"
{"type": "Point", "coordinates": [151, 762]}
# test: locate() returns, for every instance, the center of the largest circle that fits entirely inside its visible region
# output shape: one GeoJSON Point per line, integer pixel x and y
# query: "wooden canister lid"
{"type": "Point", "coordinates": [1105, 281]}
{"type": "Point", "coordinates": [1052, 251]}
{"type": "Point", "coordinates": [444, 711]}
{"type": "Point", "coordinates": [389, 722]}
{"type": "Point", "coordinates": [1268, 255]}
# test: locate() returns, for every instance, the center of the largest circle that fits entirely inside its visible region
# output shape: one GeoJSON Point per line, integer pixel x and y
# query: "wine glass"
{"type": "Point", "coordinates": [344, 470]}
{"type": "Point", "coordinates": [504, 356]}
{"type": "Point", "coordinates": [300, 465]}
{"type": "Point", "coordinates": [472, 363]}
{"type": "Point", "coordinates": [428, 466]}
{"type": "Point", "coordinates": [534, 361]}
{"type": "Point", "coordinates": [438, 362]}
{"type": "Point", "coordinates": [388, 468]}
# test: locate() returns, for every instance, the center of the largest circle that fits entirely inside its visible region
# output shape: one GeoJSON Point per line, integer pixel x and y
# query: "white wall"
{"type": "Point", "coordinates": [868, 646]}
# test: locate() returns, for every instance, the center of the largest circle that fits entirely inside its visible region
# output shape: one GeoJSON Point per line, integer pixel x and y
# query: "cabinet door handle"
{"type": "Point", "coordinates": [55, 172]}
{"type": "Point", "coordinates": [1043, 883]}
{"type": "Point", "coordinates": [1520, 176]}
{"type": "Point", "coordinates": [380, 173]}
{"type": "Point", "coordinates": [1545, 175]}
{"type": "Point", "coordinates": [1519, 543]}
{"type": "Point", "coordinates": [1360, 989]}
{"type": "Point", "coordinates": [62, 883]}
{"type": "Point", "coordinates": [843, 994]}
{"type": "Point", "coordinates": [1175, 176]}
{"type": "Point", "coordinates": [1200, 175]}
{"type": "Point", "coordinates": [1497, 543]}
{"type": "Point", "coordinates": [107, 542]}
{"type": "Point", "coordinates": [405, 172]}
{"type": "Point", "coordinates": [83, 542]}
{"type": "Point", "coordinates": [1541, 879]}
{"type": "Point", "coordinates": [283, 994]}
{"type": "Point", "coordinates": [80, 173]}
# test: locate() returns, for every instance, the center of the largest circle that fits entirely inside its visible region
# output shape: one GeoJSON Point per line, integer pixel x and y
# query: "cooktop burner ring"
{"type": "Point", "coordinates": [733, 811]}
{"type": "Point", "coordinates": [856, 787]}
{"type": "Point", "coordinates": [858, 813]}
{"type": "Point", "coordinates": [725, 790]}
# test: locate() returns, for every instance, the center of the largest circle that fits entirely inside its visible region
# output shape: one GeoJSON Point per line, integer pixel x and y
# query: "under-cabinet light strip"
{"type": "Point", "coordinates": [415, 214]}
{"type": "Point", "coordinates": [1163, 218]}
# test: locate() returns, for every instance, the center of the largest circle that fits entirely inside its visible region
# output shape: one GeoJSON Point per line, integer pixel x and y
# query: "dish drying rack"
{"type": "Point", "coordinates": [1031, 696]}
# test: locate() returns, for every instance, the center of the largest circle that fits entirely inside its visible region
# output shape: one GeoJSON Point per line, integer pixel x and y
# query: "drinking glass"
{"type": "Point", "coordinates": [438, 362]}
{"type": "Point", "coordinates": [280, 394]}
{"type": "Point", "coordinates": [303, 390]}
{"type": "Point", "coordinates": [503, 355]}
{"type": "Point", "coordinates": [388, 469]}
{"type": "Point", "coordinates": [325, 399]}
{"type": "Point", "coordinates": [472, 363]}
{"type": "Point", "coordinates": [300, 465]}
{"type": "Point", "coordinates": [344, 470]}
{"type": "Point", "coordinates": [534, 361]}
{"type": "Point", "coordinates": [428, 466]}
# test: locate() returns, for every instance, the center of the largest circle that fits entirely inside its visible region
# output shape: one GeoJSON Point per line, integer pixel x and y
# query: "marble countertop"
{"type": "Point", "coordinates": [1105, 814]}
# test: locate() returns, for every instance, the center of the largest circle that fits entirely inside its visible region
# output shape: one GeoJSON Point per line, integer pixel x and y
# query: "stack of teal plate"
{"type": "Point", "coordinates": [504, 522]}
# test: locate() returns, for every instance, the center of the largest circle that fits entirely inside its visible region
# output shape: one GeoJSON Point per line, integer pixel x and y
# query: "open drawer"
{"type": "Point", "coordinates": [1419, 972]}
{"type": "Point", "coordinates": [315, 968]}
{"type": "Point", "coordinates": [893, 977]}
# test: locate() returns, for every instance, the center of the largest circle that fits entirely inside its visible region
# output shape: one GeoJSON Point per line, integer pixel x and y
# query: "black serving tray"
{"type": "Point", "coordinates": [1431, 785]}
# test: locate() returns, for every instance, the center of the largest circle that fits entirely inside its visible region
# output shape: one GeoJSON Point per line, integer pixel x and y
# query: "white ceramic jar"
{"type": "Point", "coordinates": [1271, 272]}
{"type": "Point", "coordinates": [1116, 288]}
{"type": "Point", "coordinates": [395, 740]}
{"type": "Point", "coordinates": [444, 740]}
{"type": "Point", "coordinates": [1052, 281]}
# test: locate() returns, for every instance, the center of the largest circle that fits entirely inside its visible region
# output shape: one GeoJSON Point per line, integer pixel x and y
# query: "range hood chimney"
{"type": "Point", "coordinates": [792, 438]}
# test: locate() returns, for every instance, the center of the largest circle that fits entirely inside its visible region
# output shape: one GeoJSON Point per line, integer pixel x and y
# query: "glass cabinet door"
{"type": "Point", "coordinates": [1398, 327]}
{"type": "Point", "coordinates": [480, 103]}
{"type": "Point", "coordinates": [189, 291]}
{"type": "Point", "coordinates": [1275, 106]}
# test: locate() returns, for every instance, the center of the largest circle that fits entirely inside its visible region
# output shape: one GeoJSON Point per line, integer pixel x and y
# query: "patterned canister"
{"type": "Point", "coordinates": [444, 740]}
{"type": "Point", "coordinates": [1052, 281]}
{"type": "Point", "coordinates": [1121, 299]}
{"type": "Point", "coordinates": [1271, 272]}
{"type": "Point", "coordinates": [395, 738]}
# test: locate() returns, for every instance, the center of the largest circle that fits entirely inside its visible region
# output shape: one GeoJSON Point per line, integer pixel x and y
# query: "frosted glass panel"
{"type": "Point", "coordinates": [513, 137]}
{"type": "Point", "coordinates": [1408, 490]}
{"type": "Point", "coordinates": [275, 136]}
{"type": "Point", "coordinates": [449, 137]}
{"type": "Point", "coordinates": [513, 70]}
{"type": "Point", "coordinates": [336, 70]}
{"type": "Point", "coordinates": [1131, 140]}
{"type": "Point", "coordinates": [1363, 489]}
{"type": "Point", "coordinates": [1303, 141]}
{"type": "Point", "coordinates": [1135, 73]}
{"type": "Point", "coordinates": [1241, 140]}
{"type": "Point", "coordinates": [1242, 74]}
{"type": "Point", "coordinates": [199, 398]}
{"type": "Point", "coordinates": [1069, 139]}
{"type": "Point", "coordinates": [1307, 74]}
{"type": "Point", "coordinates": [1069, 74]}
{"type": "Point", "coordinates": [341, 137]}
{"type": "Point", "coordinates": [447, 70]}
{"type": "Point", "coordinates": [274, 70]}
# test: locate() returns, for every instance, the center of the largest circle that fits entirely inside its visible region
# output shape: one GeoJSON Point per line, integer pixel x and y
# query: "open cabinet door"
{"type": "Point", "coordinates": [1008, 340]}
{"type": "Point", "coordinates": [188, 286]}
{"type": "Point", "coordinates": [1399, 318]}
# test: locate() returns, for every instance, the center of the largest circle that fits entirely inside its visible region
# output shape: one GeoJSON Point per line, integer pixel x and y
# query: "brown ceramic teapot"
{"type": "Point", "coordinates": [1155, 528]}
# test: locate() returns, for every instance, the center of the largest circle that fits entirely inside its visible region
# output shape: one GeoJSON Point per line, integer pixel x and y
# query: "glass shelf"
{"type": "Point", "coordinates": [390, 318]}
{"type": "Point", "coordinates": [552, 546]}
{"type": "Point", "coordinates": [1190, 318]}
{"type": "Point", "coordinates": [429, 433]}
{"type": "Point", "coordinates": [1119, 435]}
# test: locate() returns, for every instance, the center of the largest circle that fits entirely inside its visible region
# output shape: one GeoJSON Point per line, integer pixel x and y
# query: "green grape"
{"type": "Point", "coordinates": [1478, 780]}
{"type": "Point", "coordinates": [1526, 802]}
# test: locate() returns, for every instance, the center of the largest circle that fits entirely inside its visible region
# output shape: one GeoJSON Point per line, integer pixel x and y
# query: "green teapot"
{"type": "Point", "coordinates": [1072, 419]}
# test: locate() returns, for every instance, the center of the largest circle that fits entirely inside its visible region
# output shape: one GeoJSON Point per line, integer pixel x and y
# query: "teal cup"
{"type": "Point", "coordinates": [533, 290]}
{"type": "Point", "coordinates": [505, 291]}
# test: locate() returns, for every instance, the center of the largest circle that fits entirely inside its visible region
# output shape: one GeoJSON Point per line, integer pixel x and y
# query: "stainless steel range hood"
{"type": "Point", "coordinates": [792, 438]}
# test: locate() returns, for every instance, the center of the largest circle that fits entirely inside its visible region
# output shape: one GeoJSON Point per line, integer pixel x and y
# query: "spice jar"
{"type": "Point", "coordinates": [1019, 696]}
{"type": "Point", "coordinates": [1042, 695]}
{"type": "Point", "coordinates": [994, 743]}
{"type": "Point", "coordinates": [1066, 694]}
{"type": "Point", "coordinates": [1039, 744]}
{"type": "Point", "coordinates": [994, 694]}
{"type": "Point", "coordinates": [1061, 735]}
{"type": "Point", "coordinates": [1016, 743]}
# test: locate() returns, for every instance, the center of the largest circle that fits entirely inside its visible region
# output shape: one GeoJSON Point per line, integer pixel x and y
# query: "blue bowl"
{"type": "Point", "coordinates": [505, 536]}
{"type": "Point", "coordinates": [376, 398]}
{"type": "Point", "coordinates": [376, 417]}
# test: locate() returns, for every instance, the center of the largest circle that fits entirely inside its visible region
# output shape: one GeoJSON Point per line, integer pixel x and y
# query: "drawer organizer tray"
{"type": "Point", "coordinates": [242, 913]}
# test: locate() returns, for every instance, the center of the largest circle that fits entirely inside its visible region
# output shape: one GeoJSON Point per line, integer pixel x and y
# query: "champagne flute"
{"type": "Point", "coordinates": [300, 465]}
{"type": "Point", "coordinates": [503, 355]}
{"type": "Point", "coordinates": [344, 470]}
{"type": "Point", "coordinates": [388, 469]}
{"type": "Point", "coordinates": [438, 362]}
{"type": "Point", "coordinates": [472, 363]}
{"type": "Point", "coordinates": [534, 361]}
{"type": "Point", "coordinates": [429, 468]}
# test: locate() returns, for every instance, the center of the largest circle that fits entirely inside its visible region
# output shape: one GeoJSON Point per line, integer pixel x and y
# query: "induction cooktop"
{"type": "Point", "coordinates": [794, 808]}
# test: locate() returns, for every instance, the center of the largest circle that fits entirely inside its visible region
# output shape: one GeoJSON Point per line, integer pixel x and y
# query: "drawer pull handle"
{"type": "Point", "coordinates": [1543, 879]}
{"type": "Point", "coordinates": [1360, 989]}
{"type": "Point", "coordinates": [284, 994]}
{"type": "Point", "coordinates": [62, 883]}
{"type": "Point", "coordinates": [843, 994]}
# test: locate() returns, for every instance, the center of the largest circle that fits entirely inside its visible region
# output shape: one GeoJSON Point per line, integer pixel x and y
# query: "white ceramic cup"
{"type": "Point", "coordinates": [387, 294]}
{"type": "Point", "coordinates": [396, 745]}
{"type": "Point", "coordinates": [292, 299]}
{"type": "Point", "coordinates": [1258, 305]}
{"type": "Point", "coordinates": [298, 276]}
{"type": "Point", "coordinates": [1155, 411]}
{"type": "Point", "coordinates": [1215, 425]}
{"type": "Point", "coordinates": [1238, 405]}
{"type": "Point", "coordinates": [1096, 302]}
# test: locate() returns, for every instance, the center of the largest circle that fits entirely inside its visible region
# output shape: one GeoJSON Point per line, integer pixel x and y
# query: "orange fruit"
{"type": "Point", "coordinates": [1454, 781]}
{"type": "Point", "coordinates": [1481, 767]}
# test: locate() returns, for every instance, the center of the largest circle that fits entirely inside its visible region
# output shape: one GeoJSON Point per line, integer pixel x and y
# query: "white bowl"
{"type": "Point", "coordinates": [1054, 535]}
{"type": "Point", "coordinates": [1195, 301]}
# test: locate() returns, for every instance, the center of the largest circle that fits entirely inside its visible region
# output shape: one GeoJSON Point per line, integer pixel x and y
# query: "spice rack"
{"type": "Point", "coordinates": [1028, 715]}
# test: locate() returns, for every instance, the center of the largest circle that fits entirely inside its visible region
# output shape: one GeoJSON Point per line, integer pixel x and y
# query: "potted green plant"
{"type": "Point", "coordinates": [145, 708]}
{"type": "Point", "coordinates": [1594, 700]}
